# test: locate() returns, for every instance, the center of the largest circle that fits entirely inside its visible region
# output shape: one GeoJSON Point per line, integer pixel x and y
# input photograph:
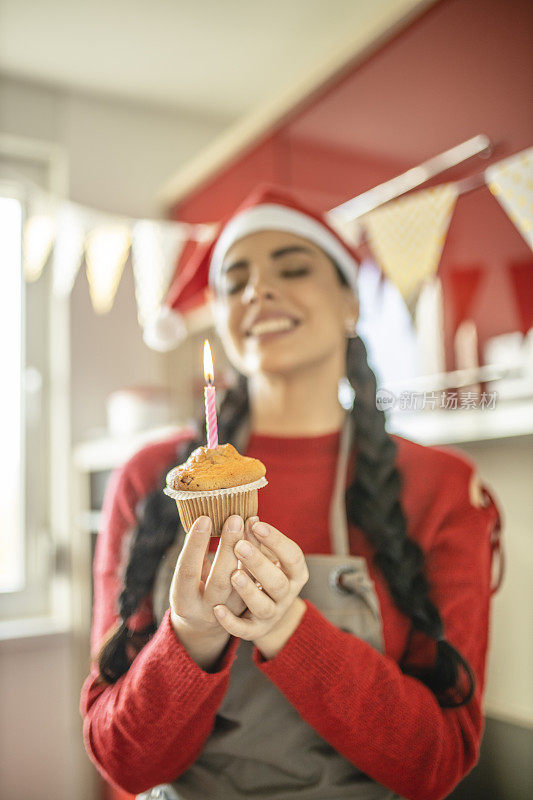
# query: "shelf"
{"type": "Point", "coordinates": [461, 425]}
{"type": "Point", "coordinates": [111, 452]}
{"type": "Point", "coordinates": [89, 521]}
{"type": "Point", "coordinates": [436, 427]}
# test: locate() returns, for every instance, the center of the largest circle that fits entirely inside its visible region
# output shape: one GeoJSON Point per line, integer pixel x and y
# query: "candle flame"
{"type": "Point", "coordinates": [209, 372]}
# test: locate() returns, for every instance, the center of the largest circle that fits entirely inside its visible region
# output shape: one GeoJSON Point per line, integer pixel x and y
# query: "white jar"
{"type": "Point", "coordinates": [138, 408]}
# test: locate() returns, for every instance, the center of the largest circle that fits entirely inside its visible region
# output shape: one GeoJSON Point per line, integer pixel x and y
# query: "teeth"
{"type": "Point", "coordinates": [271, 325]}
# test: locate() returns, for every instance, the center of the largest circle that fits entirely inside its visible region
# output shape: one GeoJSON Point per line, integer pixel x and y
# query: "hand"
{"type": "Point", "coordinates": [198, 585]}
{"type": "Point", "coordinates": [274, 607]}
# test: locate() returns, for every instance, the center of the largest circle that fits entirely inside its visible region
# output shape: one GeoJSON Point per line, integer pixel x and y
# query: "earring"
{"type": "Point", "coordinates": [350, 328]}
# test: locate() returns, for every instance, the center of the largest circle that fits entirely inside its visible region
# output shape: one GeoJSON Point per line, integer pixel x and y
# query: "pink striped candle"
{"type": "Point", "coordinates": [210, 399]}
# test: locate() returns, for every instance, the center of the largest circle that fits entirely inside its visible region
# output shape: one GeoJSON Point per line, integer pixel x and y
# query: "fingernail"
{"type": "Point", "coordinates": [238, 578]}
{"type": "Point", "coordinates": [244, 548]}
{"type": "Point", "coordinates": [203, 525]}
{"type": "Point", "coordinates": [219, 611]}
{"type": "Point", "coordinates": [260, 529]}
{"type": "Point", "coordinates": [234, 523]}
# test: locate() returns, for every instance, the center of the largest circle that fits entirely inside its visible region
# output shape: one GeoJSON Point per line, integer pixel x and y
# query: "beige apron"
{"type": "Point", "coordinates": [260, 746]}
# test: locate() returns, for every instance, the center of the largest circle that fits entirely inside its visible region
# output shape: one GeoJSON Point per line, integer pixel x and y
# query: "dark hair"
{"type": "Point", "coordinates": [372, 503]}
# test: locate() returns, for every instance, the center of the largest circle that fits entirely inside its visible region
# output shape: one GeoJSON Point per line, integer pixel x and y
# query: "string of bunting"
{"type": "Point", "coordinates": [68, 235]}
{"type": "Point", "coordinates": [406, 236]}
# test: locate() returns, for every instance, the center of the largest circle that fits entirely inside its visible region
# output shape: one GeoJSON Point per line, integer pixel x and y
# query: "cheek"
{"type": "Point", "coordinates": [228, 322]}
{"type": "Point", "coordinates": [225, 317]}
{"type": "Point", "coordinates": [320, 311]}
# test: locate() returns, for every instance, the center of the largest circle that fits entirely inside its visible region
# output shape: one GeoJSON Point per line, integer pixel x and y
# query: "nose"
{"type": "Point", "coordinates": [257, 289]}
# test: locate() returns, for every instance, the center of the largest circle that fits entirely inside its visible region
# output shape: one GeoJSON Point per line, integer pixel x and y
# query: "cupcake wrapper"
{"type": "Point", "coordinates": [217, 504]}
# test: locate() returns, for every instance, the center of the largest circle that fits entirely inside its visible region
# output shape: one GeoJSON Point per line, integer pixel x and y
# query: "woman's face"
{"type": "Point", "coordinates": [279, 304]}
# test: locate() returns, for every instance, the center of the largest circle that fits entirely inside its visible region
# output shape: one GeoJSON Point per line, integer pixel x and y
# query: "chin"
{"type": "Point", "coordinates": [277, 363]}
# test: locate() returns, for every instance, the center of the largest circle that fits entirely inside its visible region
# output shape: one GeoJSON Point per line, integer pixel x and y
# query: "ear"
{"type": "Point", "coordinates": [350, 304]}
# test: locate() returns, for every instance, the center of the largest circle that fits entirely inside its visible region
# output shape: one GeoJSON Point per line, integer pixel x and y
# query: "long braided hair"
{"type": "Point", "coordinates": [372, 503]}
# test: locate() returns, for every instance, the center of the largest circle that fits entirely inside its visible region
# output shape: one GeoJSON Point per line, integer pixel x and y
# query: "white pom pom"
{"type": "Point", "coordinates": [165, 330]}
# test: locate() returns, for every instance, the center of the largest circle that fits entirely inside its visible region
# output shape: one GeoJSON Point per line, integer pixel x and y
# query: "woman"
{"type": "Point", "coordinates": [350, 660]}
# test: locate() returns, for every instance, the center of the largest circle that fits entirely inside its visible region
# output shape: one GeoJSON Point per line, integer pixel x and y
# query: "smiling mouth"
{"type": "Point", "coordinates": [269, 326]}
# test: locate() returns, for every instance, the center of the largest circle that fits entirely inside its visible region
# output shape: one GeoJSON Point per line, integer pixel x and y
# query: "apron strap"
{"type": "Point", "coordinates": [338, 524]}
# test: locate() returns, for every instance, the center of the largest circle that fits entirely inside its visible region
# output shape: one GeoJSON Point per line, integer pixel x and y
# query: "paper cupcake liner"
{"type": "Point", "coordinates": [217, 504]}
{"type": "Point", "coordinates": [181, 494]}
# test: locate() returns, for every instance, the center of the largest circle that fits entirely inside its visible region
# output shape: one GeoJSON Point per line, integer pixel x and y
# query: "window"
{"type": "Point", "coordinates": [11, 336]}
{"type": "Point", "coordinates": [34, 412]}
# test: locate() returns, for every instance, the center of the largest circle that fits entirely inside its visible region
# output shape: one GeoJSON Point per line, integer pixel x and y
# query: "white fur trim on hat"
{"type": "Point", "coordinates": [275, 217]}
{"type": "Point", "coordinates": [165, 330]}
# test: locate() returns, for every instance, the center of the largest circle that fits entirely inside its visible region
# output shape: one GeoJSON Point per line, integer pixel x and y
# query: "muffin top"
{"type": "Point", "coordinates": [220, 468]}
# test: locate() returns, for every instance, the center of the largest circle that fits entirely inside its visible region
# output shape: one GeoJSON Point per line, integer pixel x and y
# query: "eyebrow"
{"type": "Point", "coordinates": [282, 251]}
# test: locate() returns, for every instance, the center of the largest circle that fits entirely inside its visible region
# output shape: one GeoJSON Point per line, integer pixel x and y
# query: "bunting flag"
{"type": "Point", "coordinates": [352, 230]}
{"type": "Point", "coordinates": [68, 248]}
{"type": "Point", "coordinates": [429, 323]}
{"type": "Point", "coordinates": [407, 237]}
{"type": "Point", "coordinates": [511, 183]}
{"type": "Point", "coordinates": [155, 250]}
{"type": "Point", "coordinates": [38, 236]}
{"type": "Point", "coordinates": [106, 253]}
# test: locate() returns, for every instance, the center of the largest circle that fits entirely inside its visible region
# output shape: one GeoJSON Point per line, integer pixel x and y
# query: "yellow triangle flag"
{"type": "Point", "coordinates": [106, 253]}
{"type": "Point", "coordinates": [407, 237]}
{"type": "Point", "coordinates": [511, 182]}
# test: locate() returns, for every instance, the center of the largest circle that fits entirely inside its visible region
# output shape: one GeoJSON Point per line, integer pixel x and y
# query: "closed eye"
{"type": "Point", "coordinates": [295, 273]}
{"type": "Point", "coordinates": [298, 272]}
{"type": "Point", "coordinates": [233, 288]}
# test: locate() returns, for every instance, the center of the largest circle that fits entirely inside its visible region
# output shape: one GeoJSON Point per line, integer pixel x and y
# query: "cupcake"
{"type": "Point", "coordinates": [216, 483]}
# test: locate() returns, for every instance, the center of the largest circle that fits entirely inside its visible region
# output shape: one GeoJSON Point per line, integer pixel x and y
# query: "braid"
{"type": "Point", "coordinates": [158, 526]}
{"type": "Point", "coordinates": [373, 503]}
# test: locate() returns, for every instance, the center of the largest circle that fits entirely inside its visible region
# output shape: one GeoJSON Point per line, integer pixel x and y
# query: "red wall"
{"type": "Point", "coordinates": [464, 67]}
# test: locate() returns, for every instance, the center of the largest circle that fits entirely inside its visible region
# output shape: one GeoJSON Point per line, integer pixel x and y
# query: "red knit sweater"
{"type": "Point", "coordinates": [151, 725]}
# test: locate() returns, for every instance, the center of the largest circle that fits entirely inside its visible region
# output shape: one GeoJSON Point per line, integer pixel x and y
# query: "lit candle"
{"type": "Point", "coordinates": [210, 399]}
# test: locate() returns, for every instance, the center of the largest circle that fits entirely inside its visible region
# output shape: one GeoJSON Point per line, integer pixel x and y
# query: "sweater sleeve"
{"type": "Point", "coordinates": [151, 725]}
{"type": "Point", "coordinates": [385, 722]}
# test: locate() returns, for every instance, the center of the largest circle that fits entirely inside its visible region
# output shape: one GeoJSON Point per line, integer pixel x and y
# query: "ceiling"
{"type": "Point", "coordinates": [214, 57]}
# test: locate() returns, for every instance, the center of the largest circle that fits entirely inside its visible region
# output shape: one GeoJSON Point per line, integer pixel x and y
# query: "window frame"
{"type": "Point", "coordinates": [46, 593]}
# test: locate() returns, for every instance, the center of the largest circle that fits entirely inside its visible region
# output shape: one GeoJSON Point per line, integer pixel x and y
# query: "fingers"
{"type": "Point", "coordinates": [289, 554]}
{"type": "Point", "coordinates": [249, 536]}
{"type": "Point", "coordinates": [248, 533]}
{"type": "Point", "coordinates": [189, 566]}
{"type": "Point", "coordinates": [257, 600]}
{"type": "Point", "coordinates": [272, 579]}
{"type": "Point", "coordinates": [243, 627]}
{"type": "Point", "coordinates": [235, 604]}
{"type": "Point", "coordinates": [218, 586]}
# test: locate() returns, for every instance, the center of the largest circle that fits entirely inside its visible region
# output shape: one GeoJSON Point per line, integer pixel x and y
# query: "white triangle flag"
{"type": "Point", "coordinates": [511, 183]}
{"type": "Point", "coordinates": [155, 249]}
{"type": "Point", "coordinates": [68, 248]}
{"type": "Point", "coordinates": [407, 236]}
{"type": "Point", "coordinates": [350, 230]}
{"type": "Point", "coordinates": [106, 252]}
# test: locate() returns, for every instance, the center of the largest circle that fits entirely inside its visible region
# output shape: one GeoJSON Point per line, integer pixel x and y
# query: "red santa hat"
{"type": "Point", "coordinates": [267, 207]}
